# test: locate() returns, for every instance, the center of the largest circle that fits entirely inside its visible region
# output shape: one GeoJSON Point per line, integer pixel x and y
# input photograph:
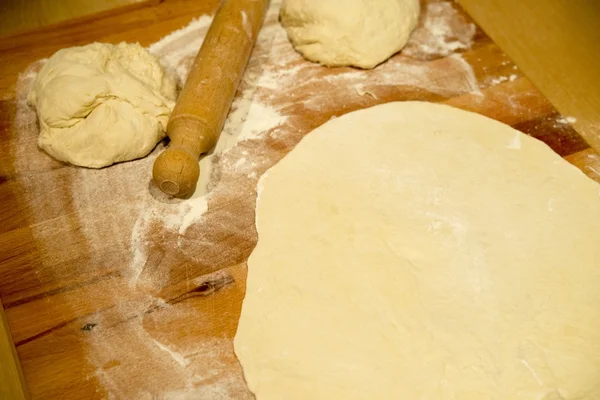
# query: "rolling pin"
{"type": "Point", "coordinates": [12, 382]}
{"type": "Point", "coordinates": [205, 100]}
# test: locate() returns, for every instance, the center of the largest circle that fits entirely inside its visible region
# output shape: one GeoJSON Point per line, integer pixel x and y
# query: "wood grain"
{"type": "Point", "coordinates": [12, 381]}
{"type": "Point", "coordinates": [79, 323]}
{"type": "Point", "coordinates": [131, 26]}
{"type": "Point", "coordinates": [18, 16]}
{"type": "Point", "coordinates": [557, 46]}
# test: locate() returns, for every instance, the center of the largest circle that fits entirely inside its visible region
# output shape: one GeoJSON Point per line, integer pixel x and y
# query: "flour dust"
{"type": "Point", "coordinates": [152, 242]}
{"type": "Point", "coordinates": [443, 30]}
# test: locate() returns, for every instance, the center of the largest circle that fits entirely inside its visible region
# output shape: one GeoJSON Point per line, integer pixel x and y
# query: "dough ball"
{"type": "Point", "coordinates": [360, 33]}
{"type": "Point", "coordinates": [102, 103]}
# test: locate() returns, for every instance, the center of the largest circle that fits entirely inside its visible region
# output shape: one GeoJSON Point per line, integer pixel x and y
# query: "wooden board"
{"type": "Point", "coordinates": [105, 292]}
{"type": "Point", "coordinates": [12, 381]}
{"type": "Point", "coordinates": [18, 16]}
{"type": "Point", "coordinates": [566, 43]}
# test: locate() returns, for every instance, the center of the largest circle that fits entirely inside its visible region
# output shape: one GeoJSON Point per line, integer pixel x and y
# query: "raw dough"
{"type": "Point", "coordinates": [361, 33]}
{"type": "Point", "coordinates": [418, 251]}
{"type": "Point", "coordinates": [102, 103]}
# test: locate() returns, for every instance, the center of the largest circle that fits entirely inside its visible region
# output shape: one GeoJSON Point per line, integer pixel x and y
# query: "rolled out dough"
{"type": "Point", "coordinates": [417, 251]}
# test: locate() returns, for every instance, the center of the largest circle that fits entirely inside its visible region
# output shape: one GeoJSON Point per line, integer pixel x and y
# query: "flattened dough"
{"type": "Point", "coordinates": [417, 251]}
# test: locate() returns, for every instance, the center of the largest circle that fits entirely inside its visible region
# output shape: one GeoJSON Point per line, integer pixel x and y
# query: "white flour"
{"type": "Point", "coordinates": [118, 207]}
{"type": "Point", "coordinates": [500, 79]}
{"type": "Point", "coordinates": [120, 218]}
{"type": "Point", "coordinates": [566, 120]}
{"type": "Point", "coordinates": [442, 32]}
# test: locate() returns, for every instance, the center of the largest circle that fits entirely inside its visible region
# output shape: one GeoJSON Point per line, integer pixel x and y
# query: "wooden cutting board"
{"type": "Point", "coordinates": [17, 16]}
{"type": "Point", "coordinates": [113, 291]}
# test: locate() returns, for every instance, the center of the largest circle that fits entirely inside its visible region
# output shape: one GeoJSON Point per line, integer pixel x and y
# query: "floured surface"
{"type": "Point", "coordinates": [443, 255]}
{"type": "Point", "coordinates": [102, 250]}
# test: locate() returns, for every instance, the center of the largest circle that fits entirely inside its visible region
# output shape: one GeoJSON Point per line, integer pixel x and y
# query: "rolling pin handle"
{"type": "Point", "coordinates": [205, 100]}
{"type": "Point", "coordinates": [176, 169]}
{"type": "Point", "coordinates": [176, 172]}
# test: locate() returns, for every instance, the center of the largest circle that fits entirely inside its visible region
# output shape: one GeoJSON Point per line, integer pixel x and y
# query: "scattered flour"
{"type": "Point", "coordinates": [469, 74]}
{"type": "Point", "coordinates": [196, 207]}
{"type": "Point", "coordinates": [498, 80]}
{"type": "Point", "coordinates": [175, 49]}
{"type": "Point", "coordinates": [501, 79]}
{"type": "Point", "coordinates": [179, 359]}
{"type": "Point", "coordinates": [443, 31]}
{"type": "Point", "coordinates": [135, 218]}
{"type": "Point", "coordinates": [566, 120]}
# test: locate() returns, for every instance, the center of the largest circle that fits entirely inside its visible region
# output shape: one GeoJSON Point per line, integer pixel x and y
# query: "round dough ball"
{"type": "Point", "coordinates": [360, 33]}
{"type": "Point", "coordinates": [102, 103]}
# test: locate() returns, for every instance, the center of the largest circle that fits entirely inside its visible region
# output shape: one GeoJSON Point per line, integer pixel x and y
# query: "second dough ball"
{"type": "Point", "coordinates": [102, 103]}
{"type": "Point", "coordinates": [360, 33]}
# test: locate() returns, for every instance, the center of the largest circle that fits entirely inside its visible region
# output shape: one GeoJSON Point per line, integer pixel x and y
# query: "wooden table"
{"type": "Point", "coordinates": [93, 317]}
{"type": "Point", "coordinates": [18, 16]}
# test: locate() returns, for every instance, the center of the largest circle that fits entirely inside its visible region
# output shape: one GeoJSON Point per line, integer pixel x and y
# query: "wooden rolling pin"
{"type": "Point", "coordinates": [12, 382]}
{"type": "Point", "coordinates": [206, 98]}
